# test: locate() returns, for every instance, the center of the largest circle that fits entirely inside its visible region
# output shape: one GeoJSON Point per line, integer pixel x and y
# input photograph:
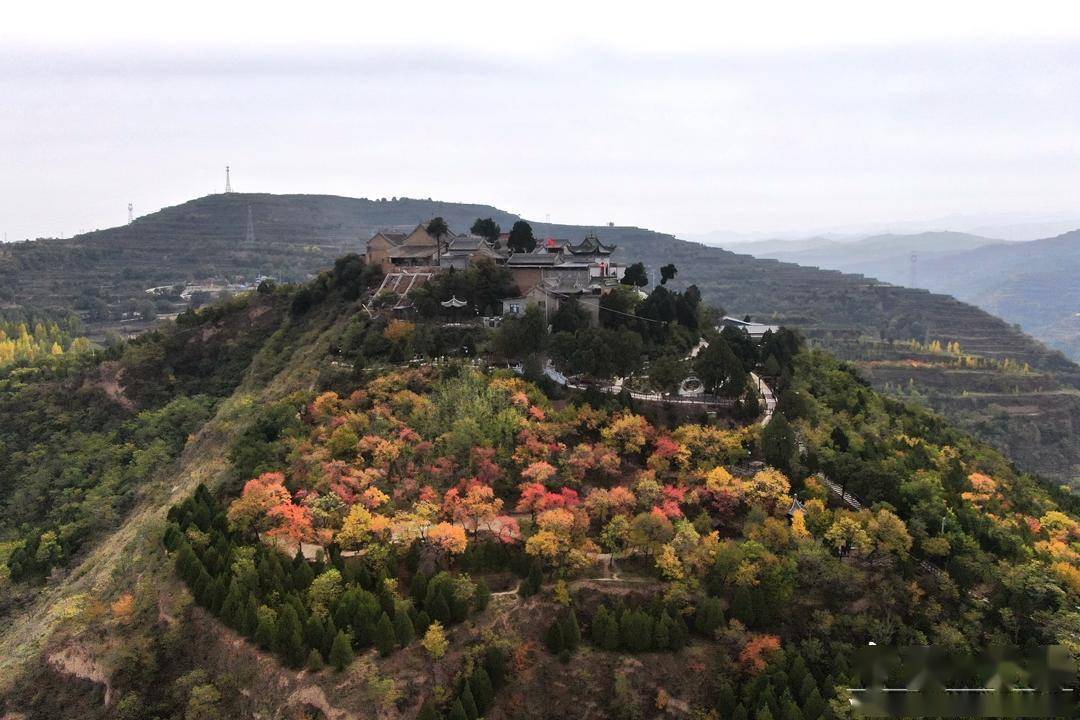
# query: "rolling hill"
{"type": "Point", "coordinates": [1001, 384]}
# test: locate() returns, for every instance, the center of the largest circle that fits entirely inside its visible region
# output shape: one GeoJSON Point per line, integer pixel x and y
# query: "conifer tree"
{"type": "Point", "coordinates": [661, 639]}
{"type": "Point", "coordinates": [482, 596]}
{"type": "Point", "coordinates": [403, 629]}
{"type": "Point", "coordinates": [314, 661]}
{"type": "Point", "coordinates": [428, 711]}
{"type": "Point", "coordinates": [457, 711]}
{"type": "Point", "coordinates": [288, 639]}
{"type": "Point", "coordinates": [554, 639]}
{"type": "Point", "coordinates": [482, 689]}
{"type": "Point", "coordinates": [600, 627]}
{"type": "Point", "coordinates": [495, 660]}
{"type": "Point", "coordinates": [571, 632]}
{"type": "Point", "coordinates": [264, 633]}
{"type": "Point", "coordinates": [385, 639]}
{"type": "Point", "coordinates": [679, 633]}
{"type": "Point", "coordinates": [469, 703]}
{"type": "Point", "coordinates": [341, 654]}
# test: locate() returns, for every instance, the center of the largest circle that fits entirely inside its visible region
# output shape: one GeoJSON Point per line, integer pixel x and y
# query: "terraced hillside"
{"type": "Point", "coordinates": [858, 318]}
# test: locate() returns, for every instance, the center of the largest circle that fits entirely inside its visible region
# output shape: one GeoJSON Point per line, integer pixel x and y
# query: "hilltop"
{"type": "Point", "coordinates": [284, 506]}
{"type": "Point", "coordinates": [1017, 393]}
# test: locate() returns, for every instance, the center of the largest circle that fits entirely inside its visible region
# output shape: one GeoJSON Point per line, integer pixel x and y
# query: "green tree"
{"type": "Point", "coordinates": [482, 689]}
{"type": "Point", "coordinates": [469, 703]}
{"type": "Point", "coordinates": [570, 317]}
{"type": "Point", "coordinates": [553, 639]}
{"type": "Point", "coordinates": [571, 632]}
{"type": "Point", "coordinates": [486, 228]}
{"type": "Point", "coordinates": [385, 639]}
{"type": "Point", "coordinates": [667, 272]}
{"type": "Point", "coordinates": [314, 661]}
{"type": "Point", "coordinates": [779, 444]}
{"type": "Point", "coordinates": [428, 711]}
{"type": "Point", "coordinates": [635, 275]}
{"type": "Point", "coordinates": [341, 653]}
{"type": "Point", "coordinates": [720, 370]}
{"type": "Point", "coordinates": [457, 711]}
{"type": "Point", "coordinates": [521, 237]}
{"type": "Point", "coordinates": [288, 637]}
{"type": "Point", "coordinates": [403, 628]}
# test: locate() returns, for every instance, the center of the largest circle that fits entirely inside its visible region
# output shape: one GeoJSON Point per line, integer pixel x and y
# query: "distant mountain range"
{"type": "Point", "coordinates": [1035, 284]}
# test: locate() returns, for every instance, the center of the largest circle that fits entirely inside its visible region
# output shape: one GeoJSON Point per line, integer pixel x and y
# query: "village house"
{"type": "Point", "coordinates": [755, 330]}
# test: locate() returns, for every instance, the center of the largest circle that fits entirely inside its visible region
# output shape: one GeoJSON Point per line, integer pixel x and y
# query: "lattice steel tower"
{"type": "Point", "coordinates": [131, 213]}
{"type": "Point", "coordinates": [228, 183]}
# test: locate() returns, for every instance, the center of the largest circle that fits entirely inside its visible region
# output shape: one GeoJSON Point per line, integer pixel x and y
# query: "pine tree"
{"type": "Point", "coordinates": [807, 687]}
{"type": "Point", "coordinates": [571, 632]}
{"type": "Point", "coordinates": [341, 654]}
{"type": "Point", "coordinates": [385, 639]}
{"type": "Point", "coordinates": [740, 712]}
{"type": "Point", "coordinates": [763, 713]}
{"type": "Point", "coordinates": [403, 629]}
{"type": "Point", "coordinates": [554, 639]}
{"type": "Point", "coordinates": [314, 661]}
{"type": "Point", "coordinates": [330, 632]}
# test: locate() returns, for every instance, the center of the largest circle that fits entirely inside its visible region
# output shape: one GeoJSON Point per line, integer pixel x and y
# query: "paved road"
{"type": "Point", "coordinates": [770, 398]}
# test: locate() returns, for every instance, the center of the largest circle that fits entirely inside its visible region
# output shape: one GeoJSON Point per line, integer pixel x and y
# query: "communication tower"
{"type": "Point", "coordinates": [228, 183]}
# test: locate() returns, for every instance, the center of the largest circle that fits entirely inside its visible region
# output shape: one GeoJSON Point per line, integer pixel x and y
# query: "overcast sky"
{"type": "Point", "coordinates": [775, 117]}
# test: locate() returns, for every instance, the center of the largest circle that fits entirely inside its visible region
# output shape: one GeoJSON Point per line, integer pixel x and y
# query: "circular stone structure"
{"type": "Point", "coordinates": [691, 387]}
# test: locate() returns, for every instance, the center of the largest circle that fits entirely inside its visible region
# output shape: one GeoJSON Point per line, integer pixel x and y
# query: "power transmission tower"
{"type": "Point", "coordinates": [131, 213]}
{"type": "Point", "coordinates": [249, 234]}
{"type": "Point", "coordinates": [228, 183]}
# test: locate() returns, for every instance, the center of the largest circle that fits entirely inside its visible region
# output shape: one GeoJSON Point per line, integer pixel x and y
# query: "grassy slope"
{"type": "Point", "coordinates": [132, 555]}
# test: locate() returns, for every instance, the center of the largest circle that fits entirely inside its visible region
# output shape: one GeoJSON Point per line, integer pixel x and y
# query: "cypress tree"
{"type": "Point", "coordinates": [423, 620]}
{"type": "Point", "coordinates": [330, 632]}
{"type": "Point", "coordinates": [314, 633]}
{"type": "Point", "coordinates": [740, 712]}
{"type": "Point", "coordinates": [439, 609]}
{"type": "Point", "coordinates": [661, 639]}
{"type": "Point", "coordinates": [469, 703]}
{"type": "Point", "coordinates": [600, 627]}
{"type": "Point", "coordinates": [251, 617]}
{"type": "Point", "coordinates": [725, 697]}
{"type": "Point", "coordinates": [814, 707]}
{"type": "Point", "coordinates": [457, 711]}
{"type": "Point", "coordinates": [806, 687]}
{"type": "Point", "coordinates": [571, 632]}
{"type": "Point", "coordinates": [314, 661]}
{"type": "Point", "coordinates": [385, 639]}
{"type": "Point", "coordinates": [495, 663]}
{"type": "Point", "coordinates": [763, 713]}
{"type": "Point", "coordinates": [482, 596]}
{"type": "Point", "coordinates": [302, 576]}
{"type": "Point", "coordinates": [428, 711]}
{"type": "Point", "coordinates": [403, 629]}
{"type": "Point", "coordinates": [709, 617]}
{"type": "Point", "coordinates": [288, 639]}
{"type": "Point", "coordinates": [418, 588]}
{"type": "Point", "coordinates": [482, 689]}
{"type": "Point", "coordinates": [531, 584]}
{"type": "Point", "coordinates": [264, 633]}
{"type": "Point", "coordinates": [679, 633]}
{"type": "Point", "coordinates": [554, 639]}
{"type": "Point", "coordinates": [341, 653]}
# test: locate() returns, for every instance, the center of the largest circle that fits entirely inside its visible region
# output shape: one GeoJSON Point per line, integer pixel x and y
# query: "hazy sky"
{"type": "Point", "coordinates": [676, 116]}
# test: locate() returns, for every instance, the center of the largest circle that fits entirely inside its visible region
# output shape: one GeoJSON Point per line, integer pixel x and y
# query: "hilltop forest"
{"type": "Point", "coordinates": [981, 372]}
{"type": "Point", "coordinates": [283, 505]}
